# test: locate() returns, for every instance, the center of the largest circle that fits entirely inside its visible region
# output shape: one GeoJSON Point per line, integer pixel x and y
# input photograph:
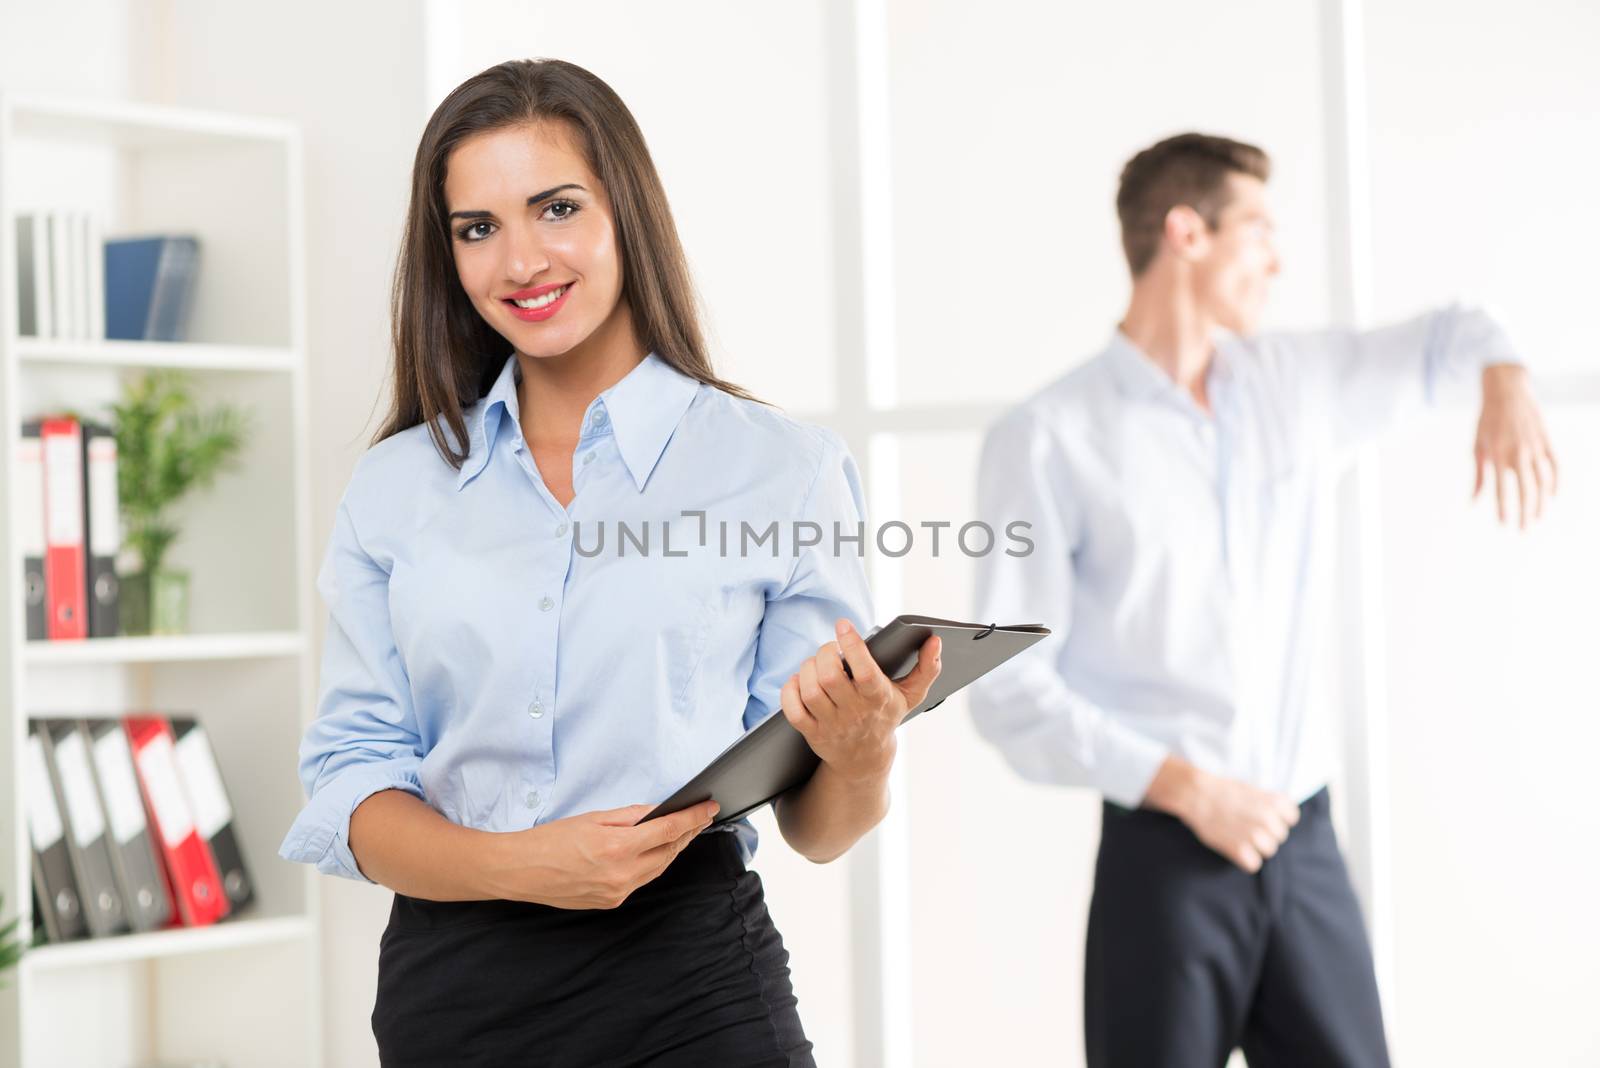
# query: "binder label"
{"type": "Point", "coordinates": [105, 534]}
{"type": "Point", "coordinates": [161, 786]}
{"type": "Point", "coordinates": [83, 808]}
{"type": "Point", "coordinates": [44, 820]}
{"type": "Point", "coordinates": [115, 764]}
{"type": "Point", "coordinates": [63, 498]}
{"type": "Point", "coordinates": [30, 495]}
{"type": "Point", "coordinates": [203, 783]}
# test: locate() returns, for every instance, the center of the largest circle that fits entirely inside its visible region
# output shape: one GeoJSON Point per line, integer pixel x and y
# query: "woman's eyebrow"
{"type": "Point", "coordinates": [536, 198]}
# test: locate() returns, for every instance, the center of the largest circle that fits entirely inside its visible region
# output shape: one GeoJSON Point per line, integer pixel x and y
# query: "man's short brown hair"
{"type": "Point", "coordinates": [1192, 169]}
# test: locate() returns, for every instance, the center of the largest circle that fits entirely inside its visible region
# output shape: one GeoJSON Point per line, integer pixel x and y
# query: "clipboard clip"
{"type": "Point", "coordinates": [985, 632]}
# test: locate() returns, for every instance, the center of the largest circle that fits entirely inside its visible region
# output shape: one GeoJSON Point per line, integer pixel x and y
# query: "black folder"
{"type": "Point", "coordinates": [29, 474]}
{"type": "Point", "coordinates": [134, 855]}
{"type": "Point", "coordinates": [102, 531]}
{"type": "Point", "coordinates": [88, 835]}
{"type": "Point", "coordinates": [773, 757]}
{"type": "Point", "coordinates": [54, 884]}
{"type": "Point", "coordinates": [213, 810]}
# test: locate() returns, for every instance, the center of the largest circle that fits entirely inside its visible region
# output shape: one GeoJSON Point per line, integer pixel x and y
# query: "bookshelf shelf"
{"type": "Point", "coordinates": [176, 647]}
{"type": "Point", "coordinates": [144, 354]}
{"type": "Point", "coordinates": [248, 990]}
{"type": "Point", "coordinates": [130, 124]}
{"type": "Point", "coordinates": [229, 934]}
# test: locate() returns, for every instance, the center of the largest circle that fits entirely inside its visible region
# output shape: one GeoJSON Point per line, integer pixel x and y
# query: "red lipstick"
{"type": "Point", "coordinates": [539, 314]}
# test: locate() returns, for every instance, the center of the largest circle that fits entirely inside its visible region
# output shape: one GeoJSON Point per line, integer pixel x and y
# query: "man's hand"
{"type": "Point", "coordinates": [1512, 439]}
{"type": "Point", "coordinates": [1235, 819]}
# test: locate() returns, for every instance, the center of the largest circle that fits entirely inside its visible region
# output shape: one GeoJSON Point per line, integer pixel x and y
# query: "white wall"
{"type": "Point", "coordinates": [46, 48]}
{"type": "Point", "coordinates": [1485, 147]}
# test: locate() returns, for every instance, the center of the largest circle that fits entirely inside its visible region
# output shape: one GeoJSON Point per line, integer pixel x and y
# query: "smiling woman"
{"type": "Point", "coordinates": [499, 709]}
{"type": "Point", "coordinates": [526, 171]}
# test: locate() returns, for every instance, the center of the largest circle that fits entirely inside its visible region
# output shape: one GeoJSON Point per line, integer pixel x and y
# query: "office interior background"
{"type": "Point", "coordinates": [899, 215]}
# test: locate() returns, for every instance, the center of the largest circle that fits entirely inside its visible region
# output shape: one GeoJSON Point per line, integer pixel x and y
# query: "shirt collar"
{"type": "Point", "coordinates": [1141, 379]}
{"type": "Point", "coordinates": [484, 424]}
{"type": "Point", "coordinates": [641, 410]}
{"type": "Point", "coordinates": [1136, 374]}
{"type": "Point", "coordinates": [644, 409]}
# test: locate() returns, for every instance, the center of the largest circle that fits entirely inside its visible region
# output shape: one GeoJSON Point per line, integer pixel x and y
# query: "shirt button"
{"type": "Point", "coordinates": [561, 531]}
{"type": "Point", "coordinates": [545, 604]}
{"type": "Point", "coordinates": [536, 709]}
{"type": "Point", "coordinates": [533, 799]}
{"type": "Point", "coordinates": [599, 418]}
{"type": "Point", "coordinates": [588, 457]}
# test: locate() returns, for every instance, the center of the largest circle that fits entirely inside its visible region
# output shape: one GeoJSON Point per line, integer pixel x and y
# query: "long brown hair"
{"type": "Point", "coordinates": [445, 355]}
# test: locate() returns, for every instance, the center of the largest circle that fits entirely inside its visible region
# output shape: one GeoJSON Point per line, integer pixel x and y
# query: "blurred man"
{"type": "Point", "coordinates": [1176, 484]}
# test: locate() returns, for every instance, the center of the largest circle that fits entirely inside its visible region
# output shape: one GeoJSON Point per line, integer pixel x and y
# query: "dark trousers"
{"type": "Point", "coordinates": [1189, 957]}
{"type": "Point", "coordinates": [688, 971]}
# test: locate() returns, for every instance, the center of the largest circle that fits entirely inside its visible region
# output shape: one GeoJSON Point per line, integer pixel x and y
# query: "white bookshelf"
{"type": "Point", "coordinates": [179, 941]}
{"type": "Point", "coordinates": [186, 355]}
{"type": "Point", "coordinates": [152, 648]}
{"type": "Point", "coordinates": [247, 991]}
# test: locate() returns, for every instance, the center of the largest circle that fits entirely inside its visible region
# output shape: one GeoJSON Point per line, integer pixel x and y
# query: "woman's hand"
{"type": "Point", "coordinates": [591, 861]}
{"type": "Point", "coordinates": [849, 720]}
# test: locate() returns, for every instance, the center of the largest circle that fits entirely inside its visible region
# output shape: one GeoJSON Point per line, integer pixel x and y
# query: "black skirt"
{"type": "Point", "coordinates": [689, 970]}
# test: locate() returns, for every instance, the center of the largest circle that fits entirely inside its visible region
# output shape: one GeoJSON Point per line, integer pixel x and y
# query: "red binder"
{"type": "Point", "coordinates": [66, 597]}
{"type": "Point", "coordinates": [196, 883]}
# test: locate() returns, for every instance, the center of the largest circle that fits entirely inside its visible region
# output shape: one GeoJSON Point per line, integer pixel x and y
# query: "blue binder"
{"type": "Point", "coordinates": [150, 286]}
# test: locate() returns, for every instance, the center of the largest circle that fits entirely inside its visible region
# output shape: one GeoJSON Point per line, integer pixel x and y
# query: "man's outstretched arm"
{"type": "Point", "coordinates": [1357, 385]}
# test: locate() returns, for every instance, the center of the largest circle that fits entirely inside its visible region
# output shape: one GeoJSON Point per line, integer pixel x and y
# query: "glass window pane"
{"type": "Point", "coordinates": [992, 893]}
{"type": "Point", "coordinates": [1009, 133]}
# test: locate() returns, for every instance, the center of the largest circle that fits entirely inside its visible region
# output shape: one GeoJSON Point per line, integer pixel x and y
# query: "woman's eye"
{"type": "Point", "coordinates": [473, 231]}
{"type": "Point", "coordinates": [564, 209]}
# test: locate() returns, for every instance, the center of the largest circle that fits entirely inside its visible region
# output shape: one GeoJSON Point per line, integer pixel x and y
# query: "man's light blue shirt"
{"type": "Point", "coordinates": [1181, 557]}
{"type": "Point", "coordinates": [512, 662]}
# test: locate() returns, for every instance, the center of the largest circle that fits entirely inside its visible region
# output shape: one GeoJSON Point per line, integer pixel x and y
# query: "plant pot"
{"type": "Point", "coordinates": [169, 602]}
{"type": "Point", "coordinates": [155, 602]}
{"type": "Point", "coordinates": [133, 603]}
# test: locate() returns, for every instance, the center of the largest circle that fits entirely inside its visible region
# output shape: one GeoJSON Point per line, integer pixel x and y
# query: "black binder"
{"type": "Point", "coordinates": [53, 882]}
{"type": "Point", "coordinates": [133, 851]}
{"type": "Point", "coordinates": [213, 811]}
{"type": "Point", "coordinates": [772, 757]}
{"type": "Point", "coordinates": [30, 488]}
{"type": "Point", "coordinates": [102, 529]}
{"type": "Point", "coordinates": [88, 842]}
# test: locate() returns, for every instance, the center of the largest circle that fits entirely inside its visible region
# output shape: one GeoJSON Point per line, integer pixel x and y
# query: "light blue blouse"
{"type": "Point", "coordinates": [511, 661]}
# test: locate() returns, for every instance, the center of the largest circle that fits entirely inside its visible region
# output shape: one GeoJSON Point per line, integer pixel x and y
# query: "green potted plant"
{"type": "Point", "coordinates": [166, 446]}
{"type": "Point", "coordinates": [10, 945]}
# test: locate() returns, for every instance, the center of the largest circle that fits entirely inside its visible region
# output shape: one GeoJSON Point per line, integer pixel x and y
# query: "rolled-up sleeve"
{"type": "Point", "coordinates": [1365, 383]}
{"type": "Point", "coordinates": [828, 580]}
{"type": "Point", "coordinates": [364, 738]}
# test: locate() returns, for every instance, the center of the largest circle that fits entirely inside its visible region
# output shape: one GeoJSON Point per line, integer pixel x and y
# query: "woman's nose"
{"type": "Point", "coordinates": [525, 254]}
